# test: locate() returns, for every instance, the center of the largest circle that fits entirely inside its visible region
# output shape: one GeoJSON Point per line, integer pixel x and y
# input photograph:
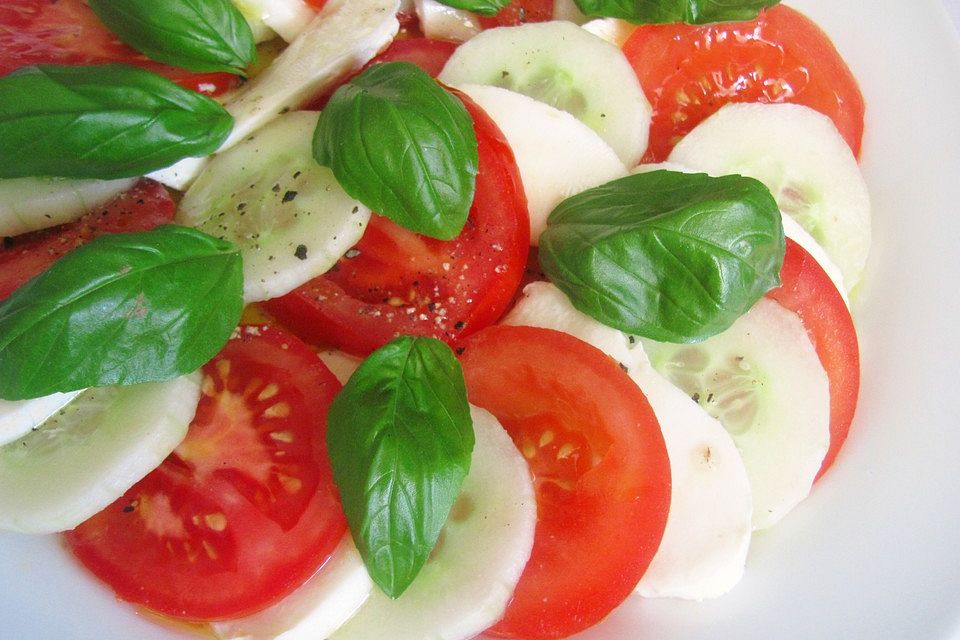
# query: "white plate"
{"type": "Point", "coordinates": [874, 554]}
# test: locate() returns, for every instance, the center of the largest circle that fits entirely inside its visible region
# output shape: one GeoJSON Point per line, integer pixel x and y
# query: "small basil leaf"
{"type": "Point", "coordinates": [669, 256]}
{"type": "Point", "coordinates": [403, 146]}
{"type": "Point", "coordinates": [483, 7]}
{"type": "Point", "coordinates": [664, 11]}
{"type": "Point", "coordinates": [105, 121]}
{"type": "Point", "coordinates": [199, 35]}
{"type": "Point", "coordinates": [400, 439]}
{"type": "Point", "coordinates": [123, 309]}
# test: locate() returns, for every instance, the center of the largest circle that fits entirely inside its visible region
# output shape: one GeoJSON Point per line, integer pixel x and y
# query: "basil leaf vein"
{"type": "Point", "coordinates": [483, 7]}
{"type": "Point", "coordinates": [123, 309]}
{"type": "Point", "coordinates": [673, 257]}
{"type": "Point", "coordinates": [400, 439]}
{"type": "Point", "coordinates": [104, 121]}
{"type": "Point", "coordinates": [204, 35]}
{"type": "Point", "coordinates": [669, 11]}
{"type": "Point", "coordinates": [403, 146]}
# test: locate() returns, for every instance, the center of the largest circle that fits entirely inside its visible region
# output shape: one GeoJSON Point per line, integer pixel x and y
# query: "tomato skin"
{"type": "Point", "coordinates": [245, 509]}
{"type": "Point", "coordinates": [689, 71]}
{"type": "Point", "coordinates": [146, 205]}
{"type": "Point", "coordinates": [397, 282]}
{"type": "Point", "coordinates": [808, 291]}
{"type": "Point", "coordinates": [519, 12]}
{"type": "Point", "coordinates": [69, 32]}
{"type": "Point", "coordinates": [599, 465]}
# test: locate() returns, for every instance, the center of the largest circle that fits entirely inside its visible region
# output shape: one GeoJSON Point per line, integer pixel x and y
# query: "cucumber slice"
{"type": "Point", "coordinates": [443, 22]}
{"type": "Point", "coordinates": [793, 230]}
{"type": "Point", "coordinates": [18, 418]}
{"type": "Point", "coordinates": [798, 153]}
{"type": "Point", "coordinates": [289, 216]}
{"type": "Point", "coordinates": [92, 451]}
{"type": "Point", "coordinates": [613, 30]}
{"type": "Point", "coordinates": [762, 379]}
{"type": "Point", "coordinates": [705, 543]}
{"type": "Point", "coordinates": [288, 18]}
{"type": "Point", "coordinates": [251, 12]}
{"type": "Point", "coordinates": [31, 204]}
{"type": "Point", "coordinates": [345, 36]}
{"type": "Point", "coordinates": [342, 365]}
{"type": "Point", "coordinates": [566, 67]}
{"type": "Point", "coordinates": [468, 580]}
{"type": "Point", "coordinates": [315, 610]}
{"type": "Point", "coordinates": [557, 155]}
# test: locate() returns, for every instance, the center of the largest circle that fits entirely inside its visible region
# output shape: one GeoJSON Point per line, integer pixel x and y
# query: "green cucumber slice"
{"type": "Point", "coordinates": [468, 580]}
{"type": "Point", "coordinates": [566, 67]}
{"type": "Point", "coordinates": [20, 417]}
{"type": "Point", "coordinates": [31, 204]}
{"type": "Point", "coordinates": [90, 452]}
{"type": "Point", "coordinates": [763, 381]}
{"type": "Point", "coordinates": [289, 216]}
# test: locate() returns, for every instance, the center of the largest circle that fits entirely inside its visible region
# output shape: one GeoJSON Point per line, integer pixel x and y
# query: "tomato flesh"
{"type": "Point", "coordinates": [146, 205]}
{"type": "Point", "coordinates": [808, 291]}
{"type": "Point", "coordinates": [519, 12]}
{"type": "Point", "coordinates": [600, 470]}
{"type": "Point", "coordinates": [69, 32]}
{"type": "Point", "coordinates": [396, 282]}
{"type": "Point", "coordinates": [689, 71]}
{"type": "Point", "coordinates": [245, 509]}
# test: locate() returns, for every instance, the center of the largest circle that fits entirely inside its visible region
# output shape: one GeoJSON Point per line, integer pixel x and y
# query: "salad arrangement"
{"type": "Point", "coordinates": [681, 372]}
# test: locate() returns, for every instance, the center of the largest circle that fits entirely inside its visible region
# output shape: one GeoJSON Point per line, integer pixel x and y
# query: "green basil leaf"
{"type": "Point", "coordinates": [483, 7]}
{"type": "Point", "coordinates": [403, 146]}
{"type": "Point", "coordinates": [663, 11]}
{"type": "Point", "coordinates": [669, 256]}
{"type": "Point", "coordinates": [199, 35]}
{"type": "Point", "coordinates": [123, 309]}
{"type": "Point", "coordinates": [400, 439]}
{"type": "Point", "coordinates": [105, 121]}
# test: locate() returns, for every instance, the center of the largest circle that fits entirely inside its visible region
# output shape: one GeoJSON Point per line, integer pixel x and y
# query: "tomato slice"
{"type": "Point", "coordinates": [600, 470]}
{"type": "Point", "coordinates": [397, 282]}
{"type": "Point", "coordinates": [688, 72]}
{"type": "Point", "coordinates": [520, 12]}
{"type": "Point", "coordinates": [808, 291]}
{"type": "Point", "coordinates": [145, 206]}
{"type": "Point", "coordinates": [69, 32]}
{"type": "Point", "coordinates": [427, 53]}
{"type": "Point", "coordinates": [245, 509]}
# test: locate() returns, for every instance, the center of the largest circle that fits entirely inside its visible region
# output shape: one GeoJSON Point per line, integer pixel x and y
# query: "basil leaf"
{"type": "Point", "coordinates": [400, 439]}
{"type": "Point", "coordinates": [403, 146]}
{"type": "Point", "coordinates": [105, 121]}
{"type": "Point", "coordinates": [662, 11]}
{"type": "Point", "coordinates": [123, 309]}
{"type": "Point", "coordinates": [199, 35]}
{"type": "Point", "coordinates": [669, 256]}
{"type": "Point", "coordinates": [483, 7]}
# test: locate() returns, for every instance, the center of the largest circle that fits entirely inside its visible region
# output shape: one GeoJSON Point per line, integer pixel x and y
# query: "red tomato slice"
{"type": "Point", "coordinates": [429, 54]}
{"type": "Point", "coordinates": [599, 466]}
{"type": "Point", "coordinates": [520, 12]}
{"type": "Point", "coordinates": [245, 509]}
{"type": "Point", "coordinates": [809, 292]}
{"type": "Point", "coordinates": [145, 206]}
{"type": "Point", "coordinates": [69, 32]}
{"type": "Point", "coordinates": [689, 72]}
{"type": "Point", "coordinates": [397, 282]}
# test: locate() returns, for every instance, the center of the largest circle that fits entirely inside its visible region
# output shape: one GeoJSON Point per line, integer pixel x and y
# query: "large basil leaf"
{"type": "Point", "coordinates": [403, 146]}
{"type": "Point", "coordinates": [400, 439]}
{"type": "Point", "coordinates": [105, 121]}
{"type": "Point", "coordinates": [689, 11]}
{"type": "Point", "coordinates": [483, 7]}
{"type": "Point", "coordinates": [123, 309]}
{"type": "Point", "coordinates": [200, 35]}
{"type": "Point", "coordinates": [669, 256]}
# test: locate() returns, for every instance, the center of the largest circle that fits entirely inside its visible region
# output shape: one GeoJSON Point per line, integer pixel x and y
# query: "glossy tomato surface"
{"type": "Point", "coordinates": [69, 32]}
{"type": "Point", "coordinates": [143, 207]}
{"type": "Point", "coordinates": [396, 282]}
{"type": "Point", "coordinates": [600, 471]}
{"type": "Point", "coordinates": [520, 12]}
{"type": "Point", "coordinates": [808, 291]}
{"type": "Point", "coordinates": [688, 72]}
{"type": "Point", "coordinates": [245, 509]}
